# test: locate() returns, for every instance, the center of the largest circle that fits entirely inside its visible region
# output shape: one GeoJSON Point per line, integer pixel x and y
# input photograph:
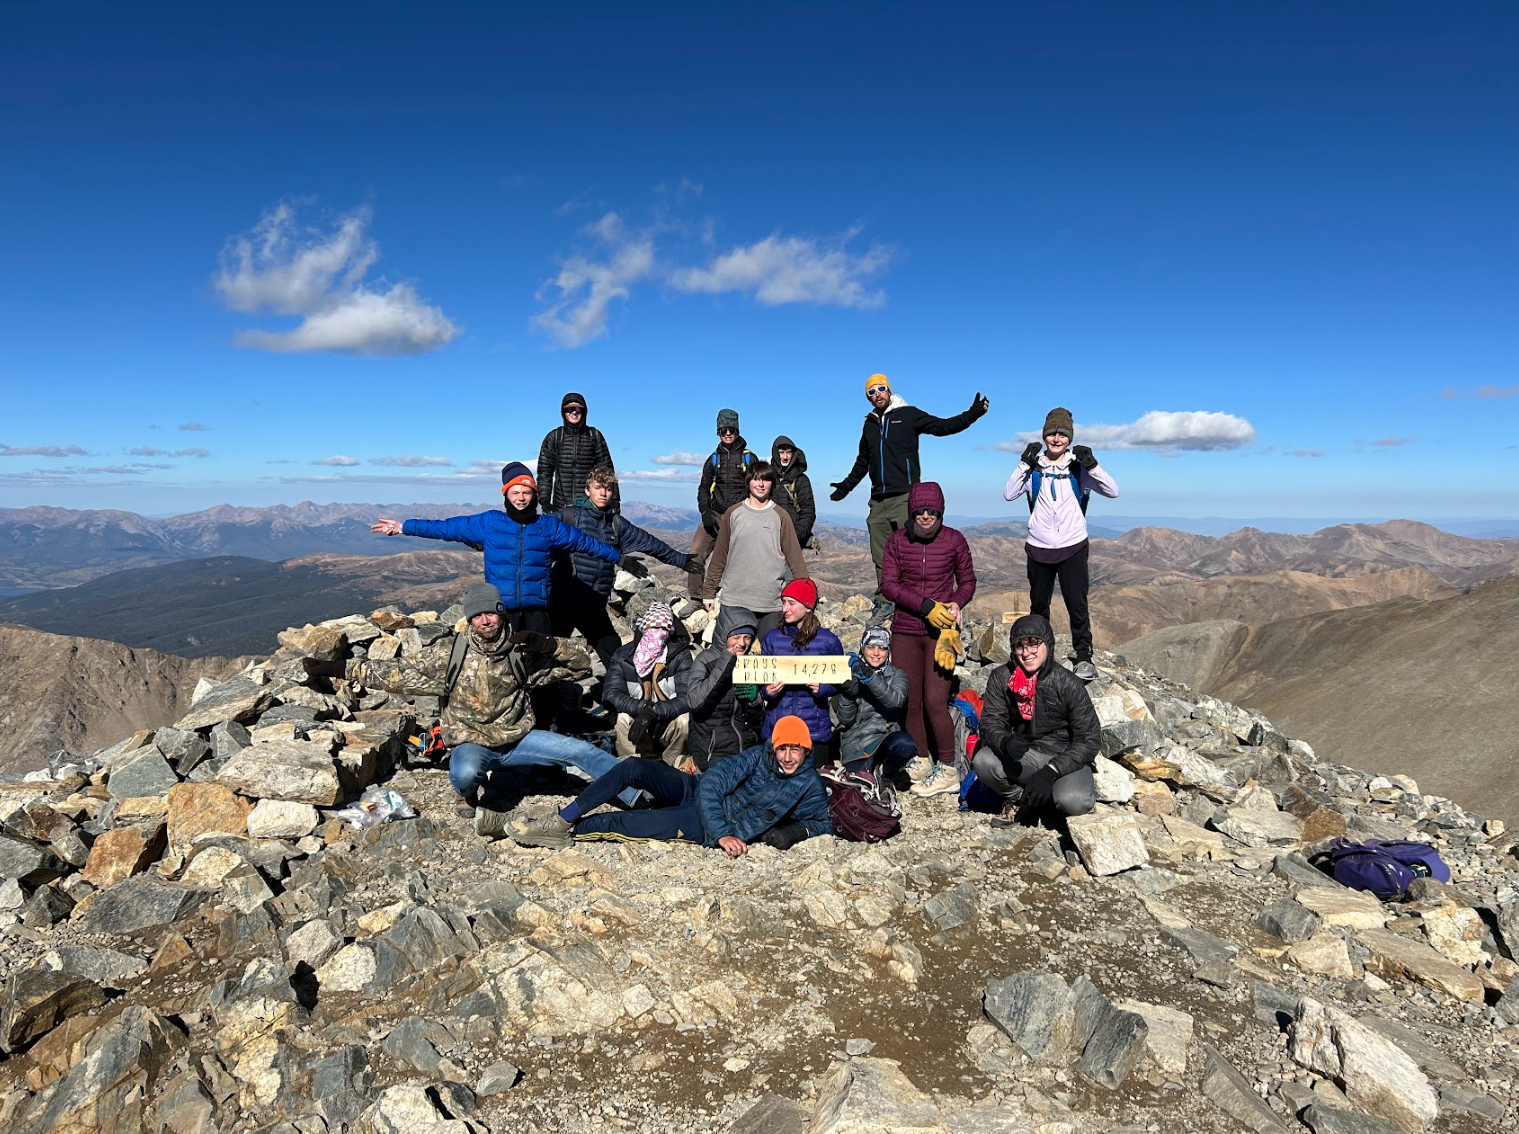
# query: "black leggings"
{"type": "Point", "coordinates": [1072, 574]}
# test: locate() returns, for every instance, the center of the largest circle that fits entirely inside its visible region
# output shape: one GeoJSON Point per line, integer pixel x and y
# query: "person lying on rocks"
{"type": "Point", "coordinates": [488, 722]}
{"type": "Point", "coordinates": [1039, 731]}
{"type": "Point", "coordinates": [725, 718]}
{"type": "Point", "coordinates": [519, 544]}
{"type": "Point", "coordinates": [871, 708]}
{"type": "Point", "coordinates": [768, 793]}
{"type": "Point", "coordinates": [647, 686]}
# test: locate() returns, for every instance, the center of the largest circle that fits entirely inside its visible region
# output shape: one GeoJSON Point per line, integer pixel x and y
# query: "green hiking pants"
{"type": "Point", "coordinates": [886, 515]}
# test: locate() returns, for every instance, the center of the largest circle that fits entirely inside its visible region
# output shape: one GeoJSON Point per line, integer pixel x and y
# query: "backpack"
{"type": "Point", "coordinates": [430, 744]}
{"type": "Point", "coordinates": [1077, 474]}
{"type": "Point", "coordinates": [862, 808]}
{"type": "Point", "coordinates": [1384, 867]}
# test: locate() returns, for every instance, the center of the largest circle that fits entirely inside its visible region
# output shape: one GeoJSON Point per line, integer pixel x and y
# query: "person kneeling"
{"type": "Point", "coordinates": [871, 708]}
{"type": "Point", "coordinates": [646, 686]}
{"type": "Point", "coordinates": [1039, 731]}
{"type": "Point", "coordinates": [769, 793]}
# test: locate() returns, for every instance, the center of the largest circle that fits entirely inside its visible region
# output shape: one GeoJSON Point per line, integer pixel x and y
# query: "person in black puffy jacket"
{"type": "Point", "coordinates": [581, 584]}
{"type": "Point", "coordinates": [648, 687]}
{"type": "Point", "coordinates": [1039, 731]}
{"type": "Point", "coordinates": [568, 454]}
{"type": "Point", "coordinates": [725, 718]}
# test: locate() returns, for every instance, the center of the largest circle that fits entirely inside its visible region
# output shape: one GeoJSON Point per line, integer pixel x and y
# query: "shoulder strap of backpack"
{"type": "Point", "coordinates": [455, 666]}
{"type": "Point", "coordinates": [1035, 479]}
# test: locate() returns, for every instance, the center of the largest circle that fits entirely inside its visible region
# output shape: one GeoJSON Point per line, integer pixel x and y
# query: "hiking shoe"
{"type": "Point", "coordinates": [918, 768]}
{"type": "Point", "coordinates": [1008, 816]}
{"type": "Point", "coordinates": [1085, 669]}
{"type": "Point", "coordinates": [543, 831]}
{"type": "Point", "coordinates": [491, 824]}
{"type": "Point", "coordinates": [941, 780]}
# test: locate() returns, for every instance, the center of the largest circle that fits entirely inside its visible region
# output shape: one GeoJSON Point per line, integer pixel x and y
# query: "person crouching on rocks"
{"type": "Point", "coordinates": [871, 707]}
{"type": "Point", "coordinates": [768, 793]}
{"type": "Point", "coordinates": [725, 718]}
{"type": "Point", "coordinates": [488, 722]}
{"type": "Point", "coordinates": [647, 684]}
{"type": "Point", "coordinates": [519, 544]}
{"type": "Point", "coordinates": [1039, 731]}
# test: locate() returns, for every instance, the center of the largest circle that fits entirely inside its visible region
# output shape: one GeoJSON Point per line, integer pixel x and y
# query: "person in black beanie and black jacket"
{"type": "Point", "coordinates": [793, 488]}
{"type": "Point", "coordinates": [567, 456]}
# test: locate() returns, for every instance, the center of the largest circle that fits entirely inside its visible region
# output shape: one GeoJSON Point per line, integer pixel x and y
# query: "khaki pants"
{"type": "Point", "coordinates": [668, 745]}
{"type": "Point", "coordinates": [886, 515]}
{"type": "Point", "coordinates": [701, 551]}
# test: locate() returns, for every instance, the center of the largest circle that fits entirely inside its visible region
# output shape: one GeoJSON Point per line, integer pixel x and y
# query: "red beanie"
{"type": "Point", "coordinates": [791, 730]}
{"type": "Point", "coordinates": [804, 591]}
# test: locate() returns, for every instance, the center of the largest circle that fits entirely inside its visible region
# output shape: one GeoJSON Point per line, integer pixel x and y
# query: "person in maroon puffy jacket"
{"type": "Point", "coordinates": [926, 571]}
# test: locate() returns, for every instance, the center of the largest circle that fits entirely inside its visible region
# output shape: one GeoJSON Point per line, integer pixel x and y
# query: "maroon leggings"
{"type": "Point", "coordinates": [927, 695]}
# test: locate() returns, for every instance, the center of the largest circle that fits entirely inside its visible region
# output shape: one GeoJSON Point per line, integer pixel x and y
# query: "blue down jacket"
{"type": "Point", "coordinates": [517, 556]}
{"type": "Point", "coordinates": [746, 795]}
{"type": "Point", "coordinates": [798, 700]}
{"type": "Point", "coordinates": [614, 529]}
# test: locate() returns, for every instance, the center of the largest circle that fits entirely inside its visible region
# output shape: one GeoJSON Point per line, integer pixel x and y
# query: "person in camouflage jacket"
{"type": "Point", "coordinates": [487, 720]}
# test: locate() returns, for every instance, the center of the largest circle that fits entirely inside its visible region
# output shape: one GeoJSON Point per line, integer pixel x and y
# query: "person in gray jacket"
{"type": "Point", "coordinates": [725, 718]}
{"type": "Point", "coordinates": [871, 707]}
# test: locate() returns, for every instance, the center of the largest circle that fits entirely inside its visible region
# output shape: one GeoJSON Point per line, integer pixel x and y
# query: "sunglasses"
{"type": "Point", "coordinates": [574, 409]}
{"type": "Point", "coordinates": [876, 390]}
{"type": "Point", "coordinates": [934, 512]}
{"type": "Point", "coordinates": [1028, 645]}
{"type": "Point", "coordinates": [727, 431]}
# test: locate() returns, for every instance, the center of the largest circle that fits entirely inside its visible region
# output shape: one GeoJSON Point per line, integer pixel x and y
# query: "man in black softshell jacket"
{"type": "Point", "coordinates": [567, 456]}
{"type": "Point", "coordinates": [722, 482]}
{"type": "Point", "coordinates": [889, 453]}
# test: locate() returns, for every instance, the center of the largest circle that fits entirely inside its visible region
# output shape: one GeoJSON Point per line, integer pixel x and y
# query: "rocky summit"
{"type": "Point", "coordinates": [195, 940]}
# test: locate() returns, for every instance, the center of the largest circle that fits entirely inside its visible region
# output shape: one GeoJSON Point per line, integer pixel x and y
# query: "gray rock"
{"type": "Point", "coordinates": [1294, 868]}
{"type": "Point", "coordinates": [952, 908]}
{"type": "Point", "coordinates": [295, 770]}
{"type": "Point", "coordinates": [1109, 841]}
{"type": "Point", "coordinates": [1117, 1039]}
{"type": "Point", "coordinates": [1232, 1093]}
{"type": "Point", "coordinates": [71, 847]}
{"type": "Point", "coordinates": [1324, 1119]}
{"type": "Point", "coordinates": [181, 748]}
{"type": "Point", "coordinates": [1378, 1077]}
{"type": "Point", "coordinates": [1288, 921]}
{"type": "Point", "coordinates": [140, 903]}
{"type": "Point", "coordinates": [773, 1115]}
{"type": "Point", "coordinates": [144, 775]}
{"type": "Point", "coordinates": [855, 1047]}
{"type": "Point", "coordinates": [1255, 827]}
{"type": "Point", "coordinates": [228, 738]}
{"type": "Point", "coordinates": [1508, 1004]}
{"type": "Point", "coordinates": [1468, 1100]}
{"type": "Point", "coordinates": [28, 863]}
{"type": "Point", "coordinates": [413, 1045]}
{"type": "Point", "coordinates": [1212, 957]}
{"type": "Point", "coordinates": [109, 968]}
{"type": "Point", "coordinates": [45, 908]}
{"type": "Point", "coordinates": [1431, 1060]}
{"type": "Point", "coordinates": [1036, 1011]}
{"type": "Point", "coordinates": [1129, 736]}
{"type": "Point", "coordinates": [340, 1084]}
{"type": "Point", "coordinates": [239, 699]}
{"type": "Point", "coordinates": [38, 999]}
{"type": "Point", "coordinates": [12, 896]}
{"type": "Point", "coordinates": [498, 1077]}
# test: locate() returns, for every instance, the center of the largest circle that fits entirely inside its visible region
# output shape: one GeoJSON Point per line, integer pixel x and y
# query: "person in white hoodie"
{"type": "Point", "coordinates": [1058, 481]}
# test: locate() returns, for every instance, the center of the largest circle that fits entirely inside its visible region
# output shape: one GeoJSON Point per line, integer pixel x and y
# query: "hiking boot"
{"type": "Point", "coordinates": [1085, 669]}
{"type": "Point", "coordinates": [543, 831]}
{"type": "Point", "coordinates": [941, 780]}
{"type": "Point", "coordinates": [1008, 816]}
{"type": "Point", "coordinates": [918, 768]}
{"type": "Point", "coordinates": [491, 824]}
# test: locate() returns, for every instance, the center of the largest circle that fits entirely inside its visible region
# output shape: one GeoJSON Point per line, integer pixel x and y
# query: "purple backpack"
{"type": "Point", "coordinates": [1384, 867]}
{"type": "Point", "coordinates": [862, 808]}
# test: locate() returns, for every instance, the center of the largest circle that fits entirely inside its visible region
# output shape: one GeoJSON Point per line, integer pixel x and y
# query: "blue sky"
{"type": "Point", "coordinates": [1265, 253]}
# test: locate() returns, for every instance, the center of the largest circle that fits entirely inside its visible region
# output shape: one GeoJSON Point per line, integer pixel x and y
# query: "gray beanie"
{"type": "Point", "coordinates": [481, 598]}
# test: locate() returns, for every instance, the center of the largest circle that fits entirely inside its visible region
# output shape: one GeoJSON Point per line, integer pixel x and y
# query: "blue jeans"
{"type": "Point", "coordinates": [675, 815]}
{"type": "Point", "coordinates": [470, 764]}
{"type": "Point", "coordinates": [892, 754]}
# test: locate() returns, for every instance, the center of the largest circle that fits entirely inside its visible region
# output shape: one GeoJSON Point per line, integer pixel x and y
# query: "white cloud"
{"type": "Point", "coordinates": [1386, 442]}
{"type": "Point", "coordinates": [790, 269]}
{"type": "Point", "coordinates": [410, 462]}
{"type": "Point", "coordinates": [1160, 430]}
{"type": "Point", "coordinates": [193, 426]}
{"type": "Point", "coordinates": [340, 461]}
{"type": "Point", "coordinates": [586, 288]}
{"type": "Point", "coordinates": [1306, 453]}
{"type": "Point", "coordinates": [41, 451]}
{"type": "Point", "coordinates": [283, 270]}
{"type": "Point", "coordinates": [1487, 392]}
{"type": "Point", "coordinates": [660, 476]}
{"type": "Point", "coordinates": [680, 457]}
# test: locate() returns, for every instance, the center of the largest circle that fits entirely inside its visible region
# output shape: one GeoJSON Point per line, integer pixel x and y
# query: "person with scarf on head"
{"type": "Point", "coordinates": [802, 633]}
{"type": "Point", "coordinates": [568, 454]}
{"type": "Point", "coordinates": [488, 720]}
{"type": "Point", "coordinates": [769, 793]}
{"type": "Point", "coordinates": [756, 547]}
{"type": "Point", "coordinates": [793, 488]}
{"type": "Point", "coordinates": [927, 572]}
{"type": "Point", "coordinates": [647, 686]}
{"type": "Point", "coordinates": [872, 707]}
{"type": "Point", "coordinates": [1058, 483]}
{"type": "Point", "coordinates": [1039, 731]}
{"type": "Point", "coordinates": [725, 718]}
{"type": "Point", "coordinates": [519, 545]}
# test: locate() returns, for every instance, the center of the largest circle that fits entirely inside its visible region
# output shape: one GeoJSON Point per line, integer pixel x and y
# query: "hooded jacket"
{"type": "Point", "coordinates": [889, 445]}
{"type": "Point", "coordinates": [915, 569]}
{"type": "Point", "coordinates": [518, 556]}
{"type": "Point", "coordinates": [610, 527]}
{"type": "Point", "coordinates": [1065, 726]}
{"type": "Point", "coordinates": [868, 711]}
{"type": "Point", "coordinates": [721, 724]}
{"type": "Point", "coordinates": [798, 700]}
{"type": "Point", "coordinates": [749, 794]}
{"type": "Point", "coordinates": [793, 489]}
{"type": "Point", "coordinates": [567, 456]}
{"type": "Point", "coordinates": [489, 703]}
{"type": "Point", "coordinates": [666, 688]}
{"type": "Point", "coordinates": [1056, 519]}
{"type": "Point", "coordinates": [723, 481]}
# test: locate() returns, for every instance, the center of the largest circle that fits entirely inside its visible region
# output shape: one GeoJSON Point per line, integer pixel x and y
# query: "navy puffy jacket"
{"type": "Point", "coordinates": [610, 528]}
{"type": "Point", "coordinates": [517, 556]}
{"type": "Point", "coordinates": [798, 700]}
{"type": "Point", "coordinates": [746, 795]}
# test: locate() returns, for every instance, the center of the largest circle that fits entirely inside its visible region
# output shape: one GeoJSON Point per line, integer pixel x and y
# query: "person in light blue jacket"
{"type": "Point", "coordinates": [519, 543]}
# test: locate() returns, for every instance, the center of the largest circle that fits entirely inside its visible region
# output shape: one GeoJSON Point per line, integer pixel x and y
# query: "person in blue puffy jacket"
{"type": "Point", "coordinates": [801, 633]}
{"type": "Point", "coordinates": [518, 542]}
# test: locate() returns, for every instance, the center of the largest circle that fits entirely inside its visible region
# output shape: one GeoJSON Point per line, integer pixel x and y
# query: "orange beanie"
{"type": "Point", "coordinates": [877, 380]}
{"type": "Point", "coordinates": [791, 730]}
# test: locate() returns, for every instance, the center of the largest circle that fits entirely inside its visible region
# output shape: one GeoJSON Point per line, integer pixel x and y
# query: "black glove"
{"type": "Point", "coordinates": [839, 491]}
{"type": "Point", "coordinates": [1083, 453]}
{"type": "Point", "coordinates": [634, 566]}
{"type": "Point", "coordinates": [642, 725]}
{"type": "Point", "coordinates": [711, 521]}
{"type": "Point", "coordinates": [1039, 789]}
{"type": "Point", "coordinates": [534, 642]}
{"type": "Point", "coordinates": [980, 404]}
{"type": "Point", "coordinates": [1031, 455]}
{"type": "Point", "coordinates": [784, 836]}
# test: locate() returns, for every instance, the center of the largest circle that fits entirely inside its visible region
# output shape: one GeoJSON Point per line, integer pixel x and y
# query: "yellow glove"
{"type": "Point", "coordinates": [948, 649]}
{"type": "Point", "coordinates": [941, 617]}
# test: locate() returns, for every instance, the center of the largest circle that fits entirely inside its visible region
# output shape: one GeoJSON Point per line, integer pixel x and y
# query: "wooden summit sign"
{"type": "Point", "coordinates": [799, 669]}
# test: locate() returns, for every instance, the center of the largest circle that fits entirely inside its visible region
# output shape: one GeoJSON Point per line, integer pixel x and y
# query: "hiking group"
{"type": "Point", "coordinates": [697, 756]}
